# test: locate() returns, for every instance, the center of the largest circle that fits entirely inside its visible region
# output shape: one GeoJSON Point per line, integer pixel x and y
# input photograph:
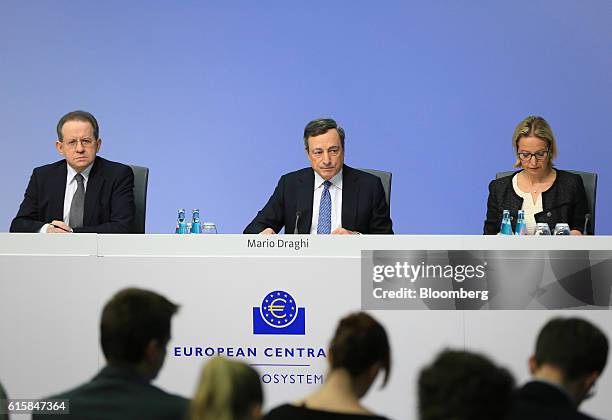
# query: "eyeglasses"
{"type": "Point", "coordinates": [526, 156]}
{"type": "Point", "coordinates": [72, 144]}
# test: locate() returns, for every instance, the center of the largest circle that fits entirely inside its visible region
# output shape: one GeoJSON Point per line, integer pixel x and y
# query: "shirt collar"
{"type": "Point", "coordinates": [336, 180]}
{"type": "Point", "coordinates": [85, 172]}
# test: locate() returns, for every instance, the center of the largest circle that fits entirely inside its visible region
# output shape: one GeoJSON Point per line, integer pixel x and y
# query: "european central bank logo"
{"type": "Point", "coordinates": [279, 314]}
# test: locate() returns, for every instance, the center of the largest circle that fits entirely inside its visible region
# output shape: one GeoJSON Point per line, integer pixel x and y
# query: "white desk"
{"type": "Point", "coordinates": [53, 289]}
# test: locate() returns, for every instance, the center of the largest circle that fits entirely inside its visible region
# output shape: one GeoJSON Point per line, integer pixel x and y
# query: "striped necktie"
{"type": "Point", "coordinates": [324, 225]}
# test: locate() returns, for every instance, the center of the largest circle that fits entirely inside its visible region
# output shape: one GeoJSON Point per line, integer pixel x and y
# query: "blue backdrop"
{"type": "Point", "coordinates": [213, 96]}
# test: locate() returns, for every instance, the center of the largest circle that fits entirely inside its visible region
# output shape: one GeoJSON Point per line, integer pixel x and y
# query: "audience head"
{"type": "Point", "coordinates": [4, 404]}
{"type": "Point", "coordinates": [460, 385]}
{"type": "Point", "coordinates": [228, 390]}
{"type": "Point", "coordinates": [571, 352]}
{"type": "Point", "coordinates": [135, 329]}
{"type": "Point", "coordinates": [360, 346]}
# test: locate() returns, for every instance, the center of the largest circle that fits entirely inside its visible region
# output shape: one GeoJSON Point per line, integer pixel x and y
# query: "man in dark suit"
{"type": "Point", "coordinates": [327, 198]}
{"type": "Point", "coordinates": [570, 355]}
{"type": "Point", "coordinates": [81, 193]}
{"type": "Point", "coordinates": [134, 333]}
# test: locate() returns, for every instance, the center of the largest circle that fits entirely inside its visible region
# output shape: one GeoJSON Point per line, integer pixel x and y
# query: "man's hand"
{"type": "Point", "coordinates": [61, 227]}
{"type": "Point", "coordinates": [267, 231]}
{"type": "Point", "coordinates": [342, 231]}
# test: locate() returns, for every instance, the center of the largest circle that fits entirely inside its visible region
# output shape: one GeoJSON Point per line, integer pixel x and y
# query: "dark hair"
{"type": "Point", "coordinates": [573, 345]}
{"type": "Point", "coordinates": [78, 116]}
{"type": "Point", "coordinates": [130, 320]}
{"type": "Point", "coordinates": [321, 126]}
{"type": "Point", "coordinates": [360, 342]}
{"type": "Point", "coordinates": [464, 386]}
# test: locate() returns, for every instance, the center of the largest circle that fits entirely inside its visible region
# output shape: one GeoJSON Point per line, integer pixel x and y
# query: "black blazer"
{"type": "Point", "coordinates": [118, 393]}
{"type": "Point", "coordinates": [109, 198]}
{"type": "Point", "coordinates": [541, 401]}
{"type": "Point", "coordinates": [288, 411]}
{"type": "Point", "coordinates": [364, 207]}
{"type": "Point", "coordinates": [564, 202]}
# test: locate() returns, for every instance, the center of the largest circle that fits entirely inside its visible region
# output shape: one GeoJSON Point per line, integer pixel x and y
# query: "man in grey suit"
{"type": "Point", "coordinates": [134, 333]}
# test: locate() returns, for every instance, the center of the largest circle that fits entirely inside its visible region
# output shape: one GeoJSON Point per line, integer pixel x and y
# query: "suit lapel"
{"type": "Point", "coordinates": [350, 197]}
{"type": "Point", "coordinates": [305, 190]}
{"type": "Point", "coordinates": [94, 186]}
{"type": "Point", "coordinates": [57, 191]}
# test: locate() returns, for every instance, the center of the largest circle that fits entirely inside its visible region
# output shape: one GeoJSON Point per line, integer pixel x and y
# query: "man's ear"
{"type": "Point", "coordinates": [373, 372]}
{"type": "Point", "coordinates": [59, 146]}
{"type": "Point", "coordinates": [533, 365]}
{"type": "Point", "coordinates": [256, 411]}
{"type": "Point", "coordinates": [590, 379]}
{"type": "Point", "coordinates": [151, 351]}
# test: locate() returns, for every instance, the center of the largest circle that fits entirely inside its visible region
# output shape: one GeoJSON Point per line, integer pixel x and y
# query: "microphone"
{"type": "Point", "coordinates": [297, 219]}
{"type": "Point", "coordinates": [587, 217]}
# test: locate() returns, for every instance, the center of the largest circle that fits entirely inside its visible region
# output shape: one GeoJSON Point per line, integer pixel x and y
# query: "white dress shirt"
{"type": "Point", "coordinates": [530, 207]}
{"type": "Point", "coordinates": [335, 191]}
{"type": "Point", "coordinates": [71, 187]}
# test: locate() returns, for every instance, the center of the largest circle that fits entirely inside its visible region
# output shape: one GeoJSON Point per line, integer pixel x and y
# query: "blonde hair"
{"type": "Point", "coordinates": [227, 390]}
{"type": "Point", "coordinates": [534, 126]}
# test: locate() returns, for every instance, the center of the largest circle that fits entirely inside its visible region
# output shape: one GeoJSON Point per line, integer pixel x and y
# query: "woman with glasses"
{"type": "Point", "coordinates": [545, 193]}
{"type": "Point", "coordinates": [357, 353]}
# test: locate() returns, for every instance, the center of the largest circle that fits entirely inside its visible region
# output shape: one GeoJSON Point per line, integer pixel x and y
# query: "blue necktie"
{"type": "Point", "coordinates": [324, 226]}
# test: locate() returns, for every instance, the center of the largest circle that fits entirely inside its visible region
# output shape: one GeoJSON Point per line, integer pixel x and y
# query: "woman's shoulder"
{"type": "Point", "coordinates": [298, 412]}
{"type": "Point", "coordinates": [502, 182]}
{"type": "Point", "coordinates": [567, 177]}
{"type": "Point", "coordinates": [568, 182]}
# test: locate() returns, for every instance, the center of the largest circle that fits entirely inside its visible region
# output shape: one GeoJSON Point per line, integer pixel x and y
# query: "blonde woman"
{"type": "Point", "coordinates": [545, 193]}
{"type": "Point", "coordinates": [228, 390]}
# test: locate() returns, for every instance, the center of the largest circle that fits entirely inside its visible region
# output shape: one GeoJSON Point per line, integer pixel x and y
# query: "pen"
{"type": "Point", "coordinates": [59, 227]}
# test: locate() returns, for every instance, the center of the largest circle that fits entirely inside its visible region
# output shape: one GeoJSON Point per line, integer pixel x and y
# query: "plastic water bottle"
{"type": "Point", "coordinates": [506, 226]}
{"type": "Point", "coordinates": [521, 227]}
{"type": "Point", "coordinates": [181, 222]}
{"type": "Point", "coordinates": [196, 226]}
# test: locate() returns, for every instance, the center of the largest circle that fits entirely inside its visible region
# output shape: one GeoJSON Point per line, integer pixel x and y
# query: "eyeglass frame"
{"type": "Point", "coordinates": [533, 155]}
{"type": "Point", "coordinates": [72, 144]}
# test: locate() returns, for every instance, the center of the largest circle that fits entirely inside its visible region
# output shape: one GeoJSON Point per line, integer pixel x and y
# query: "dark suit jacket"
{"type": "Point", "coordinates": [364, 207]}
{"type": "Point", "coordinates": [564, 202]}
{"type": "Point", "coordinates": [541, 401]}
{"type": "Point", "coordinates": [109, 198]}
{"type": "Point", "coordinates": [3, 396]}
{"type": "Point", "coordinates": [118, 393]}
